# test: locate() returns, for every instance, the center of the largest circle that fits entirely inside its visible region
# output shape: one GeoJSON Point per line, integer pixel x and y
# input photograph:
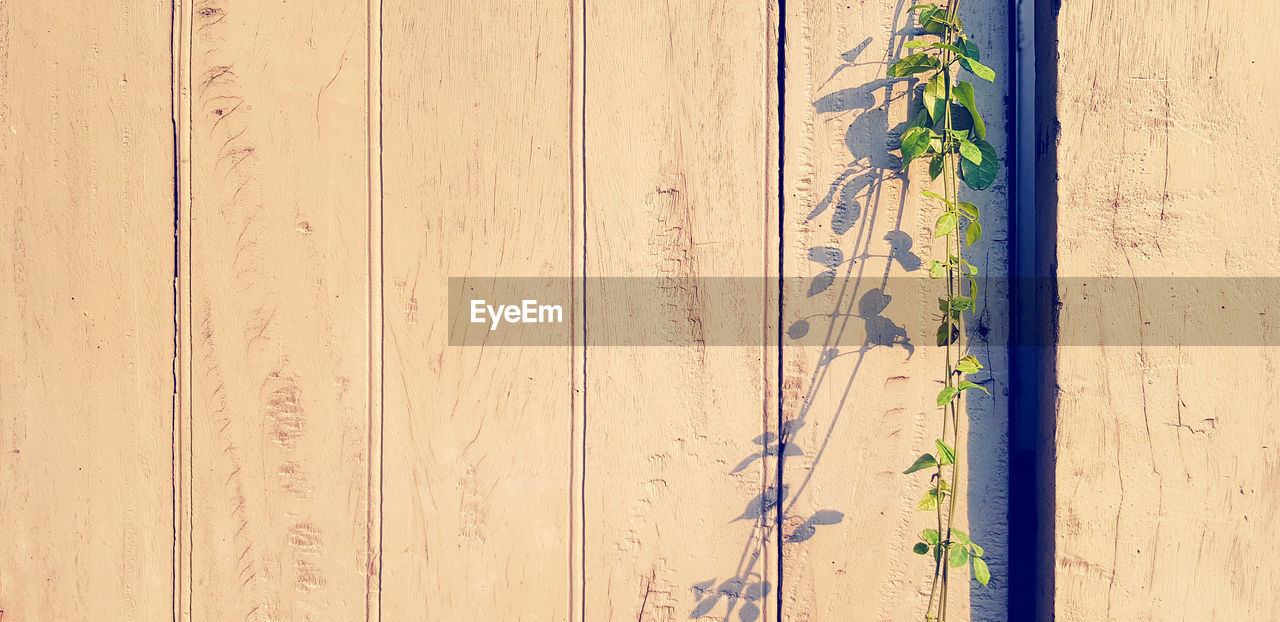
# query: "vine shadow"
{"type": "Point", "coordinates": [854, 202]}
{"type": "Point", "coordinates": [861, 278]}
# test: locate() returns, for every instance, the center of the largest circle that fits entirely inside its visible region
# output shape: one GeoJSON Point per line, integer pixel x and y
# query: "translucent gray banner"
{"type": "Point", "coordinates": [830, 310]}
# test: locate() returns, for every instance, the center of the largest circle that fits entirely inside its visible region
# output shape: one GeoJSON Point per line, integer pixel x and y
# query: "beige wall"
{"type": "Point", "coordinates": [86, 313]}
{"type": "Point", "coordinates": [1165, 452]}
{"type": "Point", "coordinates": [252, 410]}
{"type": "Point", "coordinates": [868, 405]}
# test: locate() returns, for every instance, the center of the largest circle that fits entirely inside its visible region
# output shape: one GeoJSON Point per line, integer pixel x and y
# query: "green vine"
{"type": "Point", "coordinates": [950, 133]}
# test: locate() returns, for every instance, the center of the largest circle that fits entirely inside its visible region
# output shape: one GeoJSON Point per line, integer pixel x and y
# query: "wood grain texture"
{"type": "Point", "coordinates": [1166, 453]}
{"type": "Point", "coordinates": [86, 311]}
{"type": "Point", "coordinates": [477, 160]}
{"type": "Point", "coordinates": [679, 185]}
{"type": "Point", "coordinates": [279, 311]}
{"type": "Point", "coordinates": [605, 139]}
{"type": "Point", "coordinates": [858, 397]}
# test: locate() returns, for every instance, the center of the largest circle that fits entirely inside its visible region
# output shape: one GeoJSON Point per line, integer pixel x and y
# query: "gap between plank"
{"type": "Point", "coordinates": [577, 313]}
{"type": "Point", "coordinates": [376, 418]}
{"type": "Point", "coordinates": [180, 68]}
{"type": "Point", "coordinates": [780, 62]}
{"type": "Point", "coordinates": [578, 368]}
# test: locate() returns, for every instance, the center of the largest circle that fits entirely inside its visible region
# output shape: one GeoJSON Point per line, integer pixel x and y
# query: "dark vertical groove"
{"type": "Point", "coordinates": [1021, 516]}
{"type": "Point", "coordinates": [176, 412]}
{"type": "Point", "coordinates": [782, 193]}
{"type": "Point", "coordinates": [574, 294]}
{"type": "Point", "coordinates": [1034, 312]}
{"type": "Point", "coordinates": [186, 436]}
{"type": "Point", "coordinates": [574, 85]}
{"type": "Point", "coordinates": [382, 324]}
{"type": "Point", "coordinates": [1046, 158]}
{"type": "Point", "coordinates": [582, 491]}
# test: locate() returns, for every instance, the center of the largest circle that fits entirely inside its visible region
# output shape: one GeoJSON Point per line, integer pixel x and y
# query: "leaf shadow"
{"type": "Point", "coordinates": [856, 200]}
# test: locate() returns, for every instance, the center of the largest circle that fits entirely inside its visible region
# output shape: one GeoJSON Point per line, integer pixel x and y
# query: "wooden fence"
{"type": "Point", "coordinates": [228, 390]}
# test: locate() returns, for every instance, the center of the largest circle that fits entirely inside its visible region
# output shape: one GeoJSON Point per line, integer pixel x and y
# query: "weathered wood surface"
{"type": "Point", "coordinates": [86, 311]}
{"type": "Point", "coordinates": [858, 398]}
{"type": "Point", "coordinates": [679, 184]}
{"type": "Point", "coordinates": [1166, 454]}
{"type": "Point", "coordinates": [307, 446]}
{"type": "Point", "coordinates": [477, 156]}
{"type": "Point", "coordinates": [277, 274]}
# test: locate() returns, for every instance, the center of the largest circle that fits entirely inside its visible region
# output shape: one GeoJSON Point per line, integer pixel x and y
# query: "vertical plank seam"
{"type": "Point", "coordinates": [580, 187]}
{"type": "Point", "coordinates": [781, 86]}
{"type": "Point", "coordinates": [181, 58]}
{"type": "Point", "coordinates": [1020, 540]}
{"type": "Point", "coordinates": [1044, 407]}
{"type": "Point", "coordinates": [771, 351]}
{"type": "Point", "coordinates": [577, 363]}
{"type": "Point", "coordinates": [375, 365]}
{"type": "Point", "coordinates": [188, 48]}
{"type": "Point", "coordinates": [175, 44]}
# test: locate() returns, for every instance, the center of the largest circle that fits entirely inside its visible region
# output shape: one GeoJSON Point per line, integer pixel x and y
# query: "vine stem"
{"type": "Point", "coordinates": [951, 191]}
{"type": "Point", "coordinates": [948, 157]}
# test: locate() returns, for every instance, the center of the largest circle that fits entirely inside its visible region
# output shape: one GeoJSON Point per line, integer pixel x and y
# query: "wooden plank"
{"type": "Point", "coordinates": [680, 184]}
{"type": "Point", "coordinates": [86, 311]}
{"type": "Point", "coordinates": [477, 160]}
{"type": "Point", "coordinates": [1165, 452]}
{"type": "Point", "coordinates": [858, 400]}
{"type": "Point", "coordinates": [279, 323]}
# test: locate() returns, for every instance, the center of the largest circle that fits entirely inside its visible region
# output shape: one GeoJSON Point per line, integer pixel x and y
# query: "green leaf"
{"type": "Point", "coordinates": [926, 461]}
{"type": "Point", "coordinates": [936, 21]}
{"type": "Point", "coordinates": [915, 43]}
{"type": "Point", "coordinates": [968, 365]}
{"type": "Point", "coordinates": [959, 556]}
{"type": "Point", "coordinates": [979, 176]}
{"type": "Point", "coordinates": [949, 47]}
{"type": "Point", "coordinates": [935, 166]}
{"type": "Point", "coordinates": [972, 233]}
{"type": "Point", "coordinates": [933, 195]}
{"type": "Point", "coordinates": [946, 224]}
{"type": "Point", "coordinates": [958, 303]}
{"type": "Point", "coordinates": [945, 453]}
{"type": "Point", "coordinates": [915, 141]}
{"type": "Point", "coordinates": [975, 550]}
{"type": "Point", "coordinates": [960, 536]}
{"type": "Point", "coordinates": [963, 92]}
{"type": "Point", "coordinates": [929, 501]}
{"type": "Point", "coordinates": [921, 6]}
{"type": "Point", "coordinates": [980, 571]}
{"type": "Point", "coordinates": [970, 152]}
{"type": "Point", "coordinates": [944, 397]}
{"type": "Point", "coordinates": [978, 69]}
{"type": "Point", "coordinates": [937, 269]}
{"type": "Point", "coordinates": [943, 338]}
{"type": "Point", "coordinates": [968, 267]}
{"type": "Point", "coordinates": [968, 209]}
{"type": "Point", "coordinates": [913, 64]}
{"type": "Point", "coordinates": [935, 96]}
{"type": "Point", "coordinates": [925, 19]}
{"type": "Point", "coordinates": [930, 536]}
{"type": "Point", "coordinates": [921, 119]}
{"type": "Point", "coordinates": [966, 385]}
{"type": "Point", "coordinates": [970, 48]}
{"type": "Point", "coordinates": [920, 548]}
